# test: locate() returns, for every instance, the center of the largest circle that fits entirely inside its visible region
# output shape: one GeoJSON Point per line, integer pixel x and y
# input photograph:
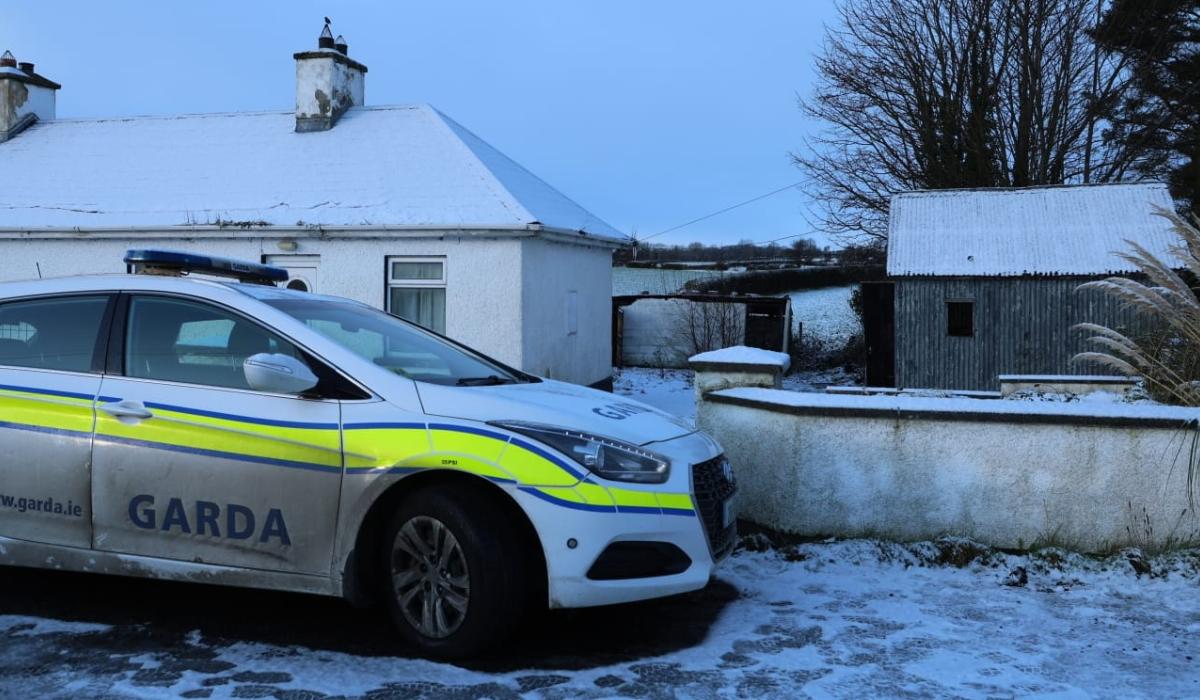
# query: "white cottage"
{"type": "Point", "coordinates": [399, 206]}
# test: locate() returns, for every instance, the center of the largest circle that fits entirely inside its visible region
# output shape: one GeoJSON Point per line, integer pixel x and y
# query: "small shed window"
{"type": "Point", "coordinates": [417, 291]}
{"type": "Point", "coordinates": [960, 317]}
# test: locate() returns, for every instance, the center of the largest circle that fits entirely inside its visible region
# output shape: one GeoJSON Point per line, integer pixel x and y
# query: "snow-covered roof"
{"type": "Point", "coordinates": [404, 166]}
{"type": "Point", "coordinates": [1068, 230]}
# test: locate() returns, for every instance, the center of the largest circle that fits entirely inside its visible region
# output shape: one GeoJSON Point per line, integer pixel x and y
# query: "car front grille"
{"type": "Point", "coordinates": [712, 488]}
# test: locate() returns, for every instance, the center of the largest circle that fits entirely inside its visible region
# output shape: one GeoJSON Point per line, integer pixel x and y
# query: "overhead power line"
{"type": "Point", "coordinates": [782, 238]}
{"type": "Point", "coordinates": [722, 211]}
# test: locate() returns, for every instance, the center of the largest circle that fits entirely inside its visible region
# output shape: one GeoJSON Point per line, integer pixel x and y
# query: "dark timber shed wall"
{"type": "Point", "coordinates": [1023, 325]}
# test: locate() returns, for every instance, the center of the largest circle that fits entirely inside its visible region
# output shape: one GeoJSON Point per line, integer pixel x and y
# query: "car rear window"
{"type": "Point", "coordinates": [51, 333]}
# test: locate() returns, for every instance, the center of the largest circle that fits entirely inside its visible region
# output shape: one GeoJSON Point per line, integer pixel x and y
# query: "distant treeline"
{"type": "Point", "coordinates": [784, 281]}
{"type": "Point", "coordinates": [802, 251]}
{"type": "Point", "coordinates": [756, 263]}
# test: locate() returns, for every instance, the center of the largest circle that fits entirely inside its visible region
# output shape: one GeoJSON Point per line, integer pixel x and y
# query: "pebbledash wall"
{"type": "Point", "coordinates": [1088, 476]}
{"type": "Point", "coordinates": [527, 324]}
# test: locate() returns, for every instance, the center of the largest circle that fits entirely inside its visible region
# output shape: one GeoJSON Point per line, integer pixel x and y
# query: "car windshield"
{"type": "Point", "coordinates": [397, 345]}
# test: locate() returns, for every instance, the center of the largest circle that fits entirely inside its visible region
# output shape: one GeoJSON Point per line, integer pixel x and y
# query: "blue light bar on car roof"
{"type": "Point", "coordinates": [172, 262]}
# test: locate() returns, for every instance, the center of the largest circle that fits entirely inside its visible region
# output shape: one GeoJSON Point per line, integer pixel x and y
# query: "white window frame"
{"type": "Point", "coordinates": [391, 283]}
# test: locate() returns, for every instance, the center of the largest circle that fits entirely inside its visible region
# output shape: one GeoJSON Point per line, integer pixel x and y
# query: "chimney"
{"type": "Point", "coordinates": [328, 82]}
{"type": "Point", "coordinates": [25, 96]}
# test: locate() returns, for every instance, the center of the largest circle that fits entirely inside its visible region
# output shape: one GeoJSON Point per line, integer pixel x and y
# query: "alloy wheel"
{"type": "Point", "coordinates": [429, 577]}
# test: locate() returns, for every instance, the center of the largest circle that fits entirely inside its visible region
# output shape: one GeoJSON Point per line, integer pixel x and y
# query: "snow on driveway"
{"type": "Point", "coordinates": [669, 390]}
{"type": "Point", "coordinates": [839, 620]}
{"type": "Point", "coordinates": [848, 619]}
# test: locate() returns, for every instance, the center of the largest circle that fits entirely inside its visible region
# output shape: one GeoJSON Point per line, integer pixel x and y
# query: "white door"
{"type": "Point", "coordinates": [192, 463]}
{"type": "Point", "coordinates": [302, 270]}
{"type": "Point", "coordinates": [51, 352]}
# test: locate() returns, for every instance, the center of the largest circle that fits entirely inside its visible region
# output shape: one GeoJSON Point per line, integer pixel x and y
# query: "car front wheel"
{"type": "Point", "coordinates": [457, 575]}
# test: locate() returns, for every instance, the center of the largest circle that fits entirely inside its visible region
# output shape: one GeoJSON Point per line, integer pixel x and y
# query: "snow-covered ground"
{"type": "Point", "coordinates": [672, 391]}
{"type": "Point", "coordinates": [826, 314]}
{"type": "Point", "coordinates": [847, 619]}
{"type": "Point", "coordinates": [850, 619]}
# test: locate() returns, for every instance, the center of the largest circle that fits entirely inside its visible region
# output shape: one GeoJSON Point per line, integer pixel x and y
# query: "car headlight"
{"type": "Point", "coordinates": [602, 456]}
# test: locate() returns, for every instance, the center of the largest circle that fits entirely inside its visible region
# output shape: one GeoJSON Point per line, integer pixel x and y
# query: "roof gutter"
{"type": "Point", "coordinates": [235, 229]}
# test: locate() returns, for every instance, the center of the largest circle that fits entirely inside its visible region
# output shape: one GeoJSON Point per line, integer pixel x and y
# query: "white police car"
{"type": "Point", "coordinates": [231, 432]}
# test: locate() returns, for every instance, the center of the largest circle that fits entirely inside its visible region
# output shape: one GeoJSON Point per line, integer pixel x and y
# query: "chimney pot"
{"type": "Point", "coordinates": [26, 66]}
{"type": "Point", "coordinates": [340, 44]}
{"type": "Point", "coordinates": [7, 60]}
{"type": "Point", "coordinates": [325, 41]}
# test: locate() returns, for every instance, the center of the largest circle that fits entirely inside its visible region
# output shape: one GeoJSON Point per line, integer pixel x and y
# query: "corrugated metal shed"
{"type": "Point", "coordinates": [407, 165]}
{"type": "Point", "coordinates": [1050, 231]}
{"type": "Point", "coordinates": [1021, 326]}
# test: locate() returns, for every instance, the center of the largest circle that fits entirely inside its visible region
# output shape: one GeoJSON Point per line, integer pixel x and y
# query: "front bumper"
{"type": "Point", "coordinates": [573, 539]}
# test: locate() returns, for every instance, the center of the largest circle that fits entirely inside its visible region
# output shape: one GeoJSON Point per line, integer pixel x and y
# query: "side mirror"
{"type": "Point", "coordinates": [278, 374]}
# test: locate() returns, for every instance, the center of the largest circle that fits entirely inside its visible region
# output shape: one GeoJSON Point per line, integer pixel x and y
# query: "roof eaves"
{"type": "Point", "coordinates": [29, 78]}
{"type": "Point", "coordinates": [1008, 275]}
{"type": "Point", "coordinates": [1027, 188]}
{"type": "Point", "coordinates": [271, 230]}
{"type": "Point", "coordinates": [583, 236]}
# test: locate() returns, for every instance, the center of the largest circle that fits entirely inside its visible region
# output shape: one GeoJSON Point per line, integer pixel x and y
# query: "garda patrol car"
{"type": "Point", "coordinates": [232, 432]}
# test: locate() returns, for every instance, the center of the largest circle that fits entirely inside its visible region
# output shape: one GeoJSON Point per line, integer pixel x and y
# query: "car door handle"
{"type": "Point", "coordinates": [127, 409]}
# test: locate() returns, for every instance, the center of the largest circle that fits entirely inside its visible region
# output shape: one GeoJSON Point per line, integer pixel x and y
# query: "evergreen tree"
{"type": "Point", "coordinates": [1159, 116]}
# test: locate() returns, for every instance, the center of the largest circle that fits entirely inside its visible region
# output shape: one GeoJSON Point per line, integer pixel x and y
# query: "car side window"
{"type": "Point", "coordinates": [51, 333]}
{"type": "Point", "coordinates": [176, 340]}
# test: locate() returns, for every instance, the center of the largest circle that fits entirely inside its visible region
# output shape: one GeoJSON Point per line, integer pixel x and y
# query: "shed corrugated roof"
{"type": "Point", "coordinates": [1061, 231]}
{"type": "Point", "coordinates": [396, 166]}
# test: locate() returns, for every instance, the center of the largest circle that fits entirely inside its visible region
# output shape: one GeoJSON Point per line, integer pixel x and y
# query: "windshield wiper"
{"type": "Point", "coordinates": [490, 380]}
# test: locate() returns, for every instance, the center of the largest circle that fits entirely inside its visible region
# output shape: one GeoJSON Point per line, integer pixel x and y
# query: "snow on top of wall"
{"type": "Point", "coordinates": [1069, 378]}
{"type": "Point", "coordinates": [742, 355]}
{"type": "Point", "coordinates": [1069, 230]}
{"type": "Point", "coordinates": [920, 404]}
{"type": "Point", "coordinates": [378, 166]}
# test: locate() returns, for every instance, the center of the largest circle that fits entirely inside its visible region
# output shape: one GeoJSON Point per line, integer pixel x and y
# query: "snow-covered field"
{"type": "Point", "coordinates": [825, 314]}
{"type": "Point", "coordinates": [854, 619]}
{"type": "Point", "coordinates": [635, 280]}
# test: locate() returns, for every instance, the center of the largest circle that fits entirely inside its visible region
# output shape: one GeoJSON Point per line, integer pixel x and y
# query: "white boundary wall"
{"type": "Point", "coordinates": [1085, 476]}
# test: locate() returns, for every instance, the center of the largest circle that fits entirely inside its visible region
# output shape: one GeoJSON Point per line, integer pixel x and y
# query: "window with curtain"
{"type": "Point", "coordinates": [417, 291]}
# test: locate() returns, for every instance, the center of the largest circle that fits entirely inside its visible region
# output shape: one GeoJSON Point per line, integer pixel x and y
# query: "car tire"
{"type": "Point", "coordinates": [457, 574]}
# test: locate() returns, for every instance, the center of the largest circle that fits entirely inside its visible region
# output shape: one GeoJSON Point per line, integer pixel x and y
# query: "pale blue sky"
{"type": "Point", "coordinates": [647, 112]}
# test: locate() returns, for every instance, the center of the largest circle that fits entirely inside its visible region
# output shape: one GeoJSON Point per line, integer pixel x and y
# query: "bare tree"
{"type": "Point", "coordinates": [701, 326]}
{"type": "Point", "coordinates": [934, 94]}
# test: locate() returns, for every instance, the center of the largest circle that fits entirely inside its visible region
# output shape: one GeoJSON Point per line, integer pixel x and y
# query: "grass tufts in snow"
{"type": "Point", "coordinates": [1043, 562]}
